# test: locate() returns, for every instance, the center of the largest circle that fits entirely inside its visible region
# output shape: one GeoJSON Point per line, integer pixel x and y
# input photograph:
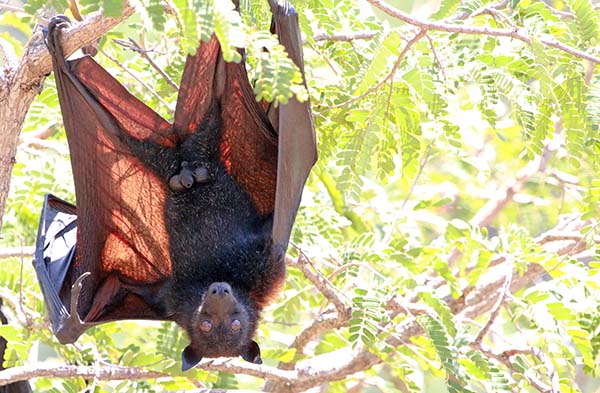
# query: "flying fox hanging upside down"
{"type": "Point", "coordinates": [185, 222]}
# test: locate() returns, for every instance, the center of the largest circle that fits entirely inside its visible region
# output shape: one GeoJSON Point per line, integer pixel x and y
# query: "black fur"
{"type": "Point", "coordinates": [215, 235]}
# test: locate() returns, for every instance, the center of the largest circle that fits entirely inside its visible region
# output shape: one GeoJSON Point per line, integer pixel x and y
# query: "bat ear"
{"type": "Point", "coordinates": [251, 353]}
{"type": "Point", "coordinates": [189, 358]}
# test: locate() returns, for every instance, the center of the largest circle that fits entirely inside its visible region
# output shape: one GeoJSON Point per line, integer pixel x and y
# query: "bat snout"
{"type": "Point", "coordinates": [220, 289]}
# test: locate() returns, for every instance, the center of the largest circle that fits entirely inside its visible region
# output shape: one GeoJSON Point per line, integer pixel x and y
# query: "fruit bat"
{"type": "Point", "coordinates": [185, 222]}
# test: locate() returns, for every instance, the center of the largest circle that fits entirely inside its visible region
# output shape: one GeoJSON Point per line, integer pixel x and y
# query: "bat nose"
{"type": "Point", "coordinates": [220, 288]}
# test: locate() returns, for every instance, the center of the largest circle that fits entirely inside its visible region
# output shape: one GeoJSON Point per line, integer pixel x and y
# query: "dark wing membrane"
{"type": "Point", "coordinates": [198, 87]}
{"type": "Point", "coordinates": [297, 143]}
{"type": "Point", "coordinates": [270, 161]}
{"type": "Point", "coordinates": [121, 234]}
{"type": "Point", "coordinates": [249, 142]}
{"type": "Point", "coordinates": [124, 199]}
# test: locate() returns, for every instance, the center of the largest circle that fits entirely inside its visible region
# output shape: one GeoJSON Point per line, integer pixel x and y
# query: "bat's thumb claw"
{"type": "Point", "coordinates": [75, 291]}
{"type": "Point", "coordinates": [71, 326]}
{"type": "Point", "coordinates": [78, 283]}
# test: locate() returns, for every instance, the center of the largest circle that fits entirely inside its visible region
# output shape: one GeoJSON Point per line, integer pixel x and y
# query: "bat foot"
{"type": "Point", "coordinates": [57, 22]}
{"type": "Point", "coordinates": [189, 174]}
{"type": "Point", "coordinates": [52, 36]}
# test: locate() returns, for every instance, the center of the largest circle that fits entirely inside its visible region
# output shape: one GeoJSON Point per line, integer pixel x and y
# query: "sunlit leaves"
{"type": "Point", "coordinates": [585, 19]}
{"type": "Point", "coordinates": [413, 152]}
{"type": "Point", "coordinates": [446, 8]}
{"type": "Point", "coordinates": [367, 318]}
{"type": "Point", "coordinates": [276, 77]}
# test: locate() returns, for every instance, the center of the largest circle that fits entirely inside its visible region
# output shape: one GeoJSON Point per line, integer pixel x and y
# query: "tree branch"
{"type": "Point", "coordinates": [135, 47]}
{"type": "Point", "coordinates": [21, 82]}
{"type": "Point", "coordinates": [361, 35]}
{"type": "Point", "coordinates": [496, 309]}
{"type": "Point", "coordinates": [104, 373]}
{"type": "Point", "coordinates": [17, 252]}
{"type": "Point", "coordinates": [321, 283]}
{"type": "Point", "coordinates": [477, 30]}
{"type": "Point", "coordinates": [389, 76]}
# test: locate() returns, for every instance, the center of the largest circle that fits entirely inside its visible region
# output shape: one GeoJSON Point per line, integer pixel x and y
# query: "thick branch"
{"type": "Point", "coordinates": [104, 373]}
{"type": "Point", "coordinates": [21, 82]}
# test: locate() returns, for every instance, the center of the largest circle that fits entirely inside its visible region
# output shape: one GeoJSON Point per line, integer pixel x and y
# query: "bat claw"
{"type": "Point", "coordinates": [72, 326]}
{"type": "Point", "coordinates": [75, 291]}
{"type": "Point", "coordinates": [52, 35]}
{"type": "Point", "coordinates": [189, 174]}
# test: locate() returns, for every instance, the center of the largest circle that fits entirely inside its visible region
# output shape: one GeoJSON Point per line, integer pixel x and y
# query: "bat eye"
{"type": "Point", "coordinates": [205, 326]}
{"type": "Point", "coordinates": [236, 325]}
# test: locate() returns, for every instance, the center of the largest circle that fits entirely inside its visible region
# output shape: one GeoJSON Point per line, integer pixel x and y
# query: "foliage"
{"type": "Point", "coordinates": [411, 150]}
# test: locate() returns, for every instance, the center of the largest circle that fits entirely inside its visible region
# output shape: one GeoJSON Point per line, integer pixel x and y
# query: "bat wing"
{"type": "Point", "coordinates": [268, 152]}
{"type": "Point", "coordinates": [120, 232]}
{"type": "Point", "coordinates": [297, 144]}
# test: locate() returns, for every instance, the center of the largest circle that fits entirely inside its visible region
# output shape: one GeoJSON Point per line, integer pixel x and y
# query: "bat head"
{"type": "Point", "coordinates": [222, 325]}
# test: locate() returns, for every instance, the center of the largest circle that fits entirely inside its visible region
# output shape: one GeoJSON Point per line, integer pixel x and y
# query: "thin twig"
{"type": "Point", "coordinates": [154, 93]}
{"type": "Point", "coordinates": [504, 358]}
{"type": "Point", "coordinates": [9, 7]}
{"type": "Point", "coordinates": [551, 370]}
{"type": "Point", "coordinates": [21, 307]}
{"type": "Point", "coordinates": [23, 315]}
{"type": "Point", "coordinates": [496, 309]}
{"type": "Point", "coordinates": [437, 59]}
{"type": "Point", "coordinates": [504, 195]}
{"type": "Point", "coordinates": [43, 133]}
{"type": "Point", "coordinates": [559, 13]}
{"type": "Point", "coordinates": [494, 12]}
{"type": "Point", "coordinates": [361, 35]}
{"type": "Point", "coordinates": [40, 144]}
{"type": "Point", "coordinates": [321, 283]}
{"type": "Point", "coordinates": [389, 76]}
{"type": "Point", "coordinates": [18, 252]}
{"type": "Point", "coordinates": [422, 163]}
{"type": "Point", "coordinates": [134, 46]}
{"type": "Point", "coordinates": [326, 58]}
{"type": "Point", "coordinates": [477, 30]}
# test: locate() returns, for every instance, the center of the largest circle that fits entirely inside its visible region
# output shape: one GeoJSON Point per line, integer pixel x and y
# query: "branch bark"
{"type": "Point", "coordinates": [104, 373]}
{"type": "Point", "coordinates": [21, 81]}
{"type": "Point", "coordinates": [361, 35]}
